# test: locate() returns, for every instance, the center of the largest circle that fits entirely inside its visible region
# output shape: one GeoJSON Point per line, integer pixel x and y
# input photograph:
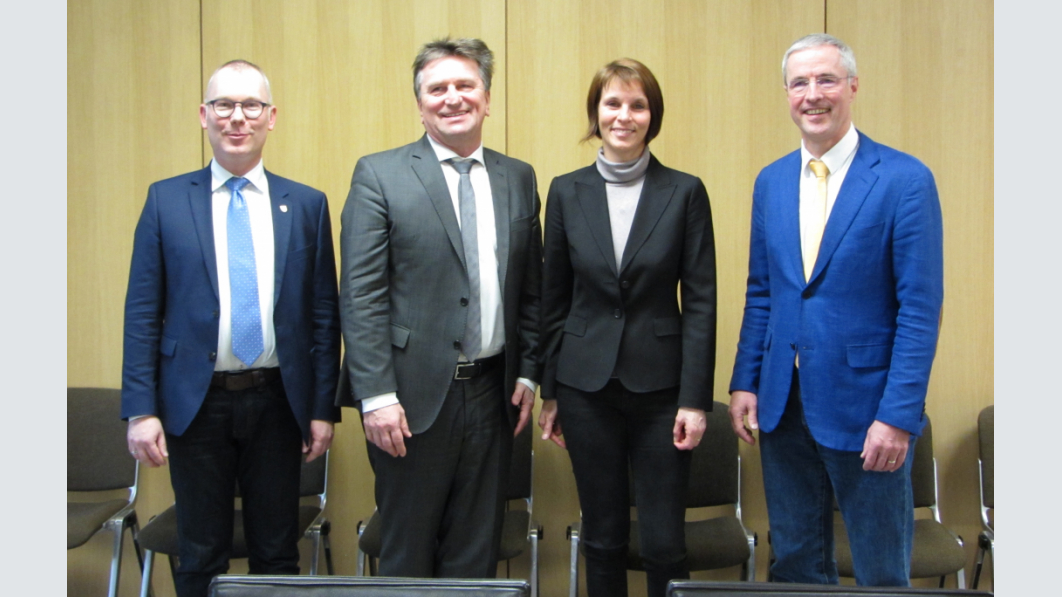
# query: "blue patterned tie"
{"type": "Point", "coordinates": [246, 314]}
{"type": "Point", "coordinates": [466, 201]}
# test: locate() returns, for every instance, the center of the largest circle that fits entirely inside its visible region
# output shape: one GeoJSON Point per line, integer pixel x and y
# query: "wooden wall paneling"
{"type": "Point", "coordinates": [342, 81]}
{"type": "Point", "coordinates": [132, 103]}
{"type": "Point", "coordinates": [719, 66]}
{"type": "Point", "coordinates": [926, 88]}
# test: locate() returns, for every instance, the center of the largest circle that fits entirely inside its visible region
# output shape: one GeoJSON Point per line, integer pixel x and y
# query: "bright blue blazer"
{"type": "Point", "coordinates": [866, 322]}
{"type": "Point", "coordinates": [172, 305]}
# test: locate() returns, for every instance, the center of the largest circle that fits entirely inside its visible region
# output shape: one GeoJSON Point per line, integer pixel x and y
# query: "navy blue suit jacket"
{"type": "Point", "coordinates": [172, 306]}
{"type": "Point", "coordinates": [866, 322]}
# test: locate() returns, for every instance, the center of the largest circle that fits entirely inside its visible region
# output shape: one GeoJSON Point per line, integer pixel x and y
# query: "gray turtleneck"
{"type": "Point", "coordinates": [623, 187]}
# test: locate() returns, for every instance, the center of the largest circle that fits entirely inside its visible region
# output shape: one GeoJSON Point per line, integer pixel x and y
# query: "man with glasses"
{"type": "Point", "coordinates": [232, 338]}
{"type": "Point", "coordinates": [844, 295]}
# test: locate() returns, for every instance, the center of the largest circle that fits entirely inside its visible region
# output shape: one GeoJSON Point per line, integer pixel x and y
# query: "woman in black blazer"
{"type": "Point", "coordinates": [628, 371]}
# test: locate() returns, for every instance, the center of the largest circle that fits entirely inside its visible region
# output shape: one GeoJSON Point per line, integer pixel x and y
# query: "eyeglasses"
{"type": "Point", "coordinates": [825, 83]}
{"type": "Point", "coordinates": [224, 108]}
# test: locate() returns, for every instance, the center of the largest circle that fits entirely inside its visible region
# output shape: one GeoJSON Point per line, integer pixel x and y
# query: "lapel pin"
{"type": "Point", "coordinates": [284, 208]}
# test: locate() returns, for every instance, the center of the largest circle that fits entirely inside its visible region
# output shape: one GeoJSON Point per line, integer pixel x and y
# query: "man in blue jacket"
{"type": "Point", "coordinates": [232, 338]}
{"type": "Point", "coordinates": [840, 328]}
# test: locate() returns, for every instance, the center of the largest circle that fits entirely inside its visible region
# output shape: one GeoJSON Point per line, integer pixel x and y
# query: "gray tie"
{"type": "Point", "coordinates": [466, 199]}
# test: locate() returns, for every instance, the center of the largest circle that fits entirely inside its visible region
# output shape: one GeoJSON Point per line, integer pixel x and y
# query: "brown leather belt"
{"type": "Point", "coordinates": [465, 371]}
{"type": "Point", "coordinates": [234, 381]}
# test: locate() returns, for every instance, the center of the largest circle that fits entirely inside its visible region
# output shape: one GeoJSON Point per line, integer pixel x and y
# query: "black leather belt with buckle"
{"type": "Point", "coordinates": [234, 381]}
{"type": "Point", "coordinates": [465, 371]}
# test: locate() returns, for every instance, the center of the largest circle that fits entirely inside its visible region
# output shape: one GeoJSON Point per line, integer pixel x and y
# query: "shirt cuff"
{"type": "Point", "coordinates": [376, 402]}
{"type": "Point", "coordinates": [527, 382]}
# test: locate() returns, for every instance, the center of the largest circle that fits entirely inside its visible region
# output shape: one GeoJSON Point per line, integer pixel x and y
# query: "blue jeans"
{"type": "Point", "coordinates": [801, 477]}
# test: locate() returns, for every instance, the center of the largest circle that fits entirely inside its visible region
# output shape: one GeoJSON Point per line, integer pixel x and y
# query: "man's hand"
{"type": "Point", "coordinates": [690, 424]}
{"type": "Point", "coordinates": [147, 441]}
{"type": "Point", "coordinates": [386, 428]}
{"type": "Point", "coordinates": [743, 404]}
{"type": "Point", "coordinates": [320, 439]}
{"type": "Point", "coordinates": [885, 448]}
{"type": "Point", "coordinates": [525, 399]}
{"type": "Point", "coordinates": [551, 427]}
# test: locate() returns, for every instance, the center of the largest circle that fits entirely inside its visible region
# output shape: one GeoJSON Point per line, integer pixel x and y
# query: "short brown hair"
{"type": "Point", "coordinates": [470, 48]}
{"type": "Point", "coordinates": [629, 71]}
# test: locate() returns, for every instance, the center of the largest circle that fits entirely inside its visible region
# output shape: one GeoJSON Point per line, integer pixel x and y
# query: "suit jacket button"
{"type": "Point", "coordinates": [618, 313]}
{"type": "Point", "coordinates": [213, 356]}
{"type": "Point", "coordinates": [464, 302]}
{"type": "Point", "coordinates": [457, 345]}
{"type": "Point", "coordinates": [625, 284]}
{"type": "Point", "coordinates": [216, 314]}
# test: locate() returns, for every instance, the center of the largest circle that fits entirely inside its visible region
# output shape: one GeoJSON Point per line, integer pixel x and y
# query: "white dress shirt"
{"type": "Point", "coordinates": [837, 161]}
{"type": "Point", "coordinates": [256, 194]}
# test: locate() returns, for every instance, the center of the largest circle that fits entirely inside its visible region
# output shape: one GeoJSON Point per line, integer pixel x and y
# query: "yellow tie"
{"type": "Point", "coordinates": [816, 219]}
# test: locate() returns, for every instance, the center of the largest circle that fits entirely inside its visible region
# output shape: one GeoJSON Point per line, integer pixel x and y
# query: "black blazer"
{"type": "Point", "coordinates": [600, 322]}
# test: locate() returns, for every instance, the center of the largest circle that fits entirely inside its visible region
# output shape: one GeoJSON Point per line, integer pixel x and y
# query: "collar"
{"type": "Point", "coordinates": [445, 153]}
{"type": "Point", "coordinates": [621, 172]}
{"type": "Point", "coordinates": [219, 176]}
{"type": "Point", "coordinates": [837, 156]}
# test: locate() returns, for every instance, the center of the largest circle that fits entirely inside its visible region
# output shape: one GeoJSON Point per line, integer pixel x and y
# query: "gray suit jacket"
{"type": "Point", "coordinates": [403, 278]}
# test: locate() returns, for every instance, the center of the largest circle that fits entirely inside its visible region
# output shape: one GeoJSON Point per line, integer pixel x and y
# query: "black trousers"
{"type": "Point", "coordinates": [251, 437]}
{"type": "Point", "coordinates": [441, 505]}
{"type": "Point", "coordinates": [608, 433]}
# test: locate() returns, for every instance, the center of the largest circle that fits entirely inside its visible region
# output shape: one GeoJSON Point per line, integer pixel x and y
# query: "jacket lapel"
{"type": "Point", "coordinates": [656, 195]}
{"type": "Point", "coordinates": [199, 201]}
{"type": "Point", "coordinates": [789, 213]}
{"type": "Point", "coordinates": [499, 190]}
{"type": "Point", "coordinates": [427, 168]}
{"type": "Point", "coordinates": [590, 190]}
{"type": "Point", "coordinates": [278, 196]}
{"type": "Point", "coordinates": [854, 191]}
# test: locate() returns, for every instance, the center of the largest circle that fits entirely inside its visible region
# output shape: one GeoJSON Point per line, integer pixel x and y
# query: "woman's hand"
{"type": "Point", "coordinates": [690, 424]}
{"type": "Point", "coordinates": [551, 427]}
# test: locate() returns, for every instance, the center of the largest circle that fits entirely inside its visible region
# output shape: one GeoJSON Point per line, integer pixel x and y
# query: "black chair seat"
{"type": "Point", "coordinates": [160, 533]}
{"type": "Point", "coordinates": [83, 519]}
{"type": "Point", "coordinates": [514, 534]}
{"type": "Point", "coordinates": [513, 541]}
{"type": "Point", "coordinates": [936, 551]}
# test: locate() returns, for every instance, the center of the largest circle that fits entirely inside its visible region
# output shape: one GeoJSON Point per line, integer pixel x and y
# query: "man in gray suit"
{"type": "Point", "coordinates": [441, 267]}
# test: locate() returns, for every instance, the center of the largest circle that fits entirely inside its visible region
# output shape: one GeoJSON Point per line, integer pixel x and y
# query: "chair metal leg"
{"type": "Point", "coordinates": [573, 572]}
{"type": "Point", "coordinates": [316, 551]}
{"type": "Point", "coordinates": [534, 561]}
{"type": "Point", "coordinates": [960, 579]}
{"type": "Point", "coordinates": [750, 564]}
{"type": "Point", "coordinates": [145, 577]}
{"type": "Point", "coordinates": [326, 528]}
{"type": "Point", "coordinates": [116, 559]}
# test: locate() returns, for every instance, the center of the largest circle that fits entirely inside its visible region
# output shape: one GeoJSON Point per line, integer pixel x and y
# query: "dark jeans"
{"type": "Point", "coordinates": [250, 437]}
{"type": "Point", "coordinates": [800, 478]}
{"type": "Point", "coordinates": [441, 505]}
{"type": "Point", "coordinates": [608, 433]}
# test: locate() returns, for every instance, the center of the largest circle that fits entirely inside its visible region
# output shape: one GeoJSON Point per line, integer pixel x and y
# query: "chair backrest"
{"type": "Point", "coordinates": [985, 434]}
{"type": "Point", "coordinates": [700, 588]}
{"type": "Point", "coordinates": [923, 470]}
{"type": "Point", "coordinates": [714, 469]}
{"type": "Point", "coordinates": [362, 586]}
{"type": "Point", "coordinates": [520, 466]}
{"type": "Point", "coordinates": [97, 455]}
